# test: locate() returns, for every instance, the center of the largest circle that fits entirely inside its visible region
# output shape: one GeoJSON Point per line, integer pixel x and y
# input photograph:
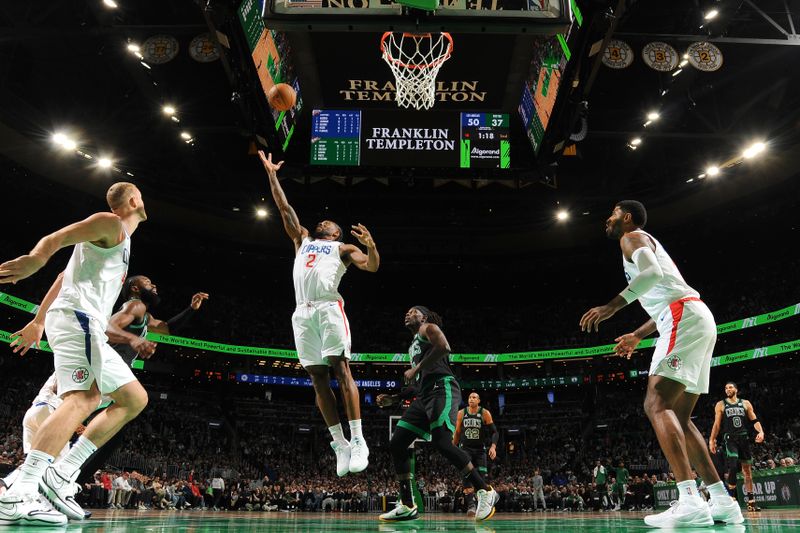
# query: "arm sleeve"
{"type": "Point", "coordinates": [495, 434]}
{"type": "Point", "coordinates": [180, 320]}
{"type": "Point", "coordinates": [650, 274]}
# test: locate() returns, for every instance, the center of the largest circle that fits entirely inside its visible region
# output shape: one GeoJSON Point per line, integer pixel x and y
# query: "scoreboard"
{"type": "Point", "coordinates": [409, 139]}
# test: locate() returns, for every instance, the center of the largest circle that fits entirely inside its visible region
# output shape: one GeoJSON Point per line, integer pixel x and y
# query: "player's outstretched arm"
{"type": "Point", "coordinates": [751, 415]}
{"type": "Point", "coordinates": [369, 261]}
{"type": "Point", "coordinates": [102, 229]}
{"type": "Point", "coordinates": [179, 321]}
{"type": "Point", "coordinates": [290, 221]}
{"type": "Point", "coordinates": [31, 334]}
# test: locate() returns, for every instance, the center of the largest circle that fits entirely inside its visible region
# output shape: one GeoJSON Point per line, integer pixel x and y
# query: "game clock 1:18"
{"type": "Point", "coordinates": [485, 141]}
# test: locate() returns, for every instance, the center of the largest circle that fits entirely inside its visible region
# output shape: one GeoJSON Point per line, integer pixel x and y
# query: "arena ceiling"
{"type": "Point", "coordinates": [65, 66]}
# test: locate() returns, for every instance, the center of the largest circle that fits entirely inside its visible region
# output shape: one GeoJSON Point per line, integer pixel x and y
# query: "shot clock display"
{"type": "Point", "coordinates": [402, 138]}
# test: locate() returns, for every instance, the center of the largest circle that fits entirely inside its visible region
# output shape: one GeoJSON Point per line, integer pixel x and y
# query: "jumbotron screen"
{"type": "Point", "coordinates": [397, 138]}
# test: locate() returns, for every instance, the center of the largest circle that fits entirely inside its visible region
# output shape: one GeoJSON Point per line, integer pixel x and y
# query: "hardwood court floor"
{"type": "Point", "coordinates": [107, 521]}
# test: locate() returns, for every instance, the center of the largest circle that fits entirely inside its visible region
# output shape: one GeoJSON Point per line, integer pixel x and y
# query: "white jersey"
{"type": "Point", "coordinates": [318, 269]}
{"type": "Point", "coordinates": [48, 394]}
{"type": "Point", "coordinates": [672, 286]}
{"type": "Point", "coordinates": [93, 279]}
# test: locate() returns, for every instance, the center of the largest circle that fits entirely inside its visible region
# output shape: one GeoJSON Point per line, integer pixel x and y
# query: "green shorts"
{"type": "Point", "coordinates": [436, 407]}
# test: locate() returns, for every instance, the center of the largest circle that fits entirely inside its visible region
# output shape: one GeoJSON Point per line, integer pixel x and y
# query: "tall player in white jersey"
{"type": "Point", "coordinates": [78, 306]}
{"type": "Point", "coordinates": [321, 330]}
{"type": "Point", "coordinates": [679, 372]}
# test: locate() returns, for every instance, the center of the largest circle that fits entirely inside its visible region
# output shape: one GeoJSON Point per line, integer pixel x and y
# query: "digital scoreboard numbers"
{"type": "Point", "coordinates": [336, 138]}
{"type": "Point", "coordinates": [485, 141]}
{"type": "Point", "coordinates": [410, 139]}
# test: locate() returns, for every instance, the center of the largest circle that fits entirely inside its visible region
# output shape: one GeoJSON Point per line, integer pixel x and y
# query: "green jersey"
{"type": "Point", "coordinates": [622, 475]}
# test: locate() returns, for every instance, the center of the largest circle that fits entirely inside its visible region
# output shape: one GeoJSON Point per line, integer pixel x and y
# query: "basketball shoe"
{"type": "Point", "coordinates": [725, 510]}
{"type": "Point", "coordinates": [26, 509]}
{"type": "Point", "coordinates": [689, 512]}
{"type": "Point", "coordinates": [487, 499]}
{"type": "Point", "coordinates": [342, 458]}
{"type": "Point", "coordinates": [400, 513]}
{"type": "Point", "coordinates": [60, 491]}
{"type": "Point", "coordinates": [359, 455]}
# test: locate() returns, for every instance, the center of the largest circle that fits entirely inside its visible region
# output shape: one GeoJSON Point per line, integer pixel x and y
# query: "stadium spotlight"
{"type": "Point", "coordinates": [653, 115]}
{"type": "Point", "coordinates": [753, 150]}
{"type": "Point", "coordinates": [711, 14]}
{"type": "Point", "coordinates": [133, 47]}
{"type": "Point", "coordinates": [636, 142]}
{"type": "Point", "coordinates": [104, 162]}
{"type": "Point", "coordinates": [677, 72]}
{"type": "Point", "coordinates": [712, 171]}
{"type": "Point", "coordinates": [562, 215]}
{"type": "Point", "coordinates": [59, 138]}
{"type": "Point", "coordinates": [69, 144]}
{"type": "Point", "coordinates": [110, 3]}
{"type": "Point", "coordinates": [168, 110]}
{"type": "Point", "coordinates": [261, 212]}
{"type": "Point", "coordinates": [185, 135]}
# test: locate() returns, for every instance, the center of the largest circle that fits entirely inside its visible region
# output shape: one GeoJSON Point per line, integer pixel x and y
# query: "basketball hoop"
{"type": "Point", "coordinates": [415, 60]}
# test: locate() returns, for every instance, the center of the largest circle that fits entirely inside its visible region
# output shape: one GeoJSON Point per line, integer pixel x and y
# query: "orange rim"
{"type": "Point", "coordinates": [436, 63]}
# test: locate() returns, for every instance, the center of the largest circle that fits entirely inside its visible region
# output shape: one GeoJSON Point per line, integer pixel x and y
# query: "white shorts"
{"type": "Point", "coordinates": [32, 421]}
{"type": "Point", "coordinates": [82, 354]}
{"type": "Point", "coordinates": [321, 330]}
{"type": "Point", "coordinates": [687, 334]}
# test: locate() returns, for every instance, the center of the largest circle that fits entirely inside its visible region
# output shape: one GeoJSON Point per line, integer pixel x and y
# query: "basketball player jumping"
{"type": "Point", "coordinates": [680, 367]}
{"type": "Point", "coordinates": [79, 305]}
{"type": "Point", "coordinates": [431, 416]}
{"type": "Point", "coordinates": [730, 414]}
{"type": "Point", "coordinates": [470, 422]}
{"type": "Point", "coordinates": [321, 329]}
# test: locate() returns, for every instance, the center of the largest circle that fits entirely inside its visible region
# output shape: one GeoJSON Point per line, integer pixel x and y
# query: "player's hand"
{"type": "Point", "coordinates": [410, 375]}
{"type": "Point", "coordinates": [363, 235]}
{"type": "Point", "coordinates": [386, 400]}
{"type": "Point", "coordinates": [198, 299]}
{"type": "Point", "coordinates": [143, 347]}
{"type": "Point", "coordinates": [760, 437]}
{"type": "Point", "coordinates": [266, 160]}
{"type": "Point", "coordinates": [712, 445]}
{"type": "Point", "coordinates": [492, 452]}
{"type": "Point", "coordinates": [592, 318]}
{"type": "Point", "coordinates": [626, 344]}
{"type": "Point", "coordinates": [20, 268]}
{"type": "Point", "coordinates": [27, 337]}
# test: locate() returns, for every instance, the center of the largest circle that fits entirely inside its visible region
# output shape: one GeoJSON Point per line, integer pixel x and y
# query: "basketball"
{"type": "Point", "coordinates": [281, 97]}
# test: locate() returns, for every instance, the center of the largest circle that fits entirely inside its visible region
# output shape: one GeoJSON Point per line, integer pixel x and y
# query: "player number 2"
{"type": "Point", "coordinates": [311, 259]}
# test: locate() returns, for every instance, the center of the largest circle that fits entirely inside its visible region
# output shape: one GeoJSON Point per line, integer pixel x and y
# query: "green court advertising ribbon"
{"type": "Point", "coordinates": [539, 355]}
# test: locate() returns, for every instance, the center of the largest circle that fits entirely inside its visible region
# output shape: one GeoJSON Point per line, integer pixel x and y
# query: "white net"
{"type": "Point", "coordinates": [415, 60]}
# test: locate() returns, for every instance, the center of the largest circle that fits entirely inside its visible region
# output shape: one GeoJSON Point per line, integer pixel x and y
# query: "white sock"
{"type": "Point", "coordinates": [717, 490]}
{"type": "Point", "coordinates": [338, 434]}
{"type": "Point", "coordinates": [73, 461]}
{"type": "Point", "coordinates": [355, 429]}
{"type": "Point", "coordinates": [687, 490]}
{"type": "Point", "coordinates": [31, 472]}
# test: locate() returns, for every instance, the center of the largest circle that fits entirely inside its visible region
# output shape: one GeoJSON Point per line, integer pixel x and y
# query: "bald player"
{"type": "Point", "coordinates": [469, 435]}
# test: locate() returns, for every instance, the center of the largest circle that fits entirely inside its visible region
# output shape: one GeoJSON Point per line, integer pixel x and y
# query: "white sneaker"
{"type": "Point", "coordinates": [726, 510]}
{"type": "Point", "coordinates": [342, 458]}
{"type": "Point", "coordinates": [400, 513]}
{"type": "Point", "coordinates": [26, 509]}
{"type": "Point", "coordinates": [359, 455]}
{"type": "Point", "coordinates": [487, 499]}
{"type": "Point", "coordinates": [61, 493]}
{"type": "Point", "coordinates": [692, 512]}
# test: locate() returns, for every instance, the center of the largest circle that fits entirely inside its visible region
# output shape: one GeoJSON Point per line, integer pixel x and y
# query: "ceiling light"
{"type": "Point", "coordinates": [690, 180]}
{"type": "Point", "coordinates": [168, 110]}
{"type": "Point", "coordinates": [701, 176]}
{"type": "Point", "coordinates": [712, 171]}
{"type": "Point", "coordinates": [261, 212]}
{"type": "Point", "coordinates": [677, 72]}
{"type": "Point", "coordinates": [636, 142]}
{"type": "Point", "coordinates": [683, 63]}
{"type": "Point", "coordinates": [104, 162]}
{"type": "Point", "coordinates": [110, 3]}
{"type": "Point", "coordinates": [711, 14]}
{"type": "Point", "coordinates": [174, 118]}
{"type": "Point", "coordinates": [133, 47]}
{"type": "Point", "coordinates": [59, 138]}
{"type": "Point", "coordinates": [145, 65]}
{"type": "Point", "coordinates": [653, 115]}
{"type": "Point", "coordinates": [185, 135]}
{"type": "Point", "coordinates": [753, 150]}
{"type": "Point", "coordinates": [69, 144]}
{"type": "Point", "coordinates": [562, 215]}
{"type": "Point", "coordinates": [686, 56]}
